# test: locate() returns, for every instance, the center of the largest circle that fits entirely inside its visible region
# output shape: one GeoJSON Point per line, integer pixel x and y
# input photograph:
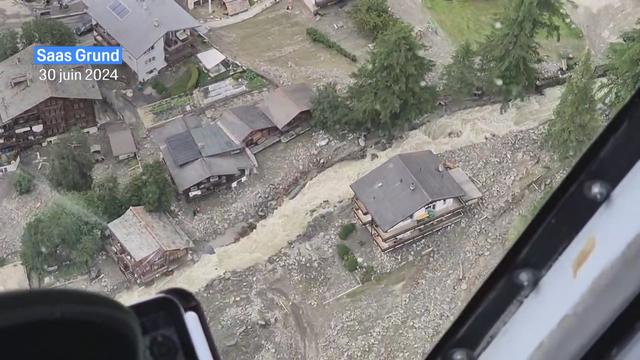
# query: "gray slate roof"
{"type": "Point", "coordinates": [197, 142]}
{"type": "Point", "coordinates": [241, 121]}
{"type": "Point", "coordinates": [160, 134]}
{"type": "Point", "coordinates": [185, 174]}
{"type": "Point", "coordinates": [190, 174]}
{"type": "Point", "coordinates": [182, 148]}
{"type": "Point", "coordinates": [285, 103]}
{"type": "Point", "coordinates": [143, 233]}
{"type": "Point", "coordinates": [121, 139]}
{"type": "Point", "coordinates": [22, 97]}
{"type": "Point", "coordinates": [387, 192]}
{"type": "Point", "coordinates": [137, 31]}
{"type": "Point", "coordinates": [212, 140]}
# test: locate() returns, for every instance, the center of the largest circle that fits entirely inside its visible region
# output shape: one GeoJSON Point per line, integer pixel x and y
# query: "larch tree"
{"type": "Point", "coordinates": [47, 31]}
{"type": "Point", "coordinates": [461, 77]}
{"type": "Point", "coordinates": [390, 90]}
{"type": "Point", "coordinates": [8, 44]}
{"type": "Point", "coordinates": [575, 121]}
{"type": "Point", "coordinates": [511, 51]}
{"type": "Point", "coordinates": [106, 199]}
{"type": "Point", "coordinates": [623, 69]}
{"type": "Point", "coordinates": [330, 109]}
{"type": "Point", "coordinates": [71, 163]}
{"type": "Point", "coordinates": [60, 234]}
{"type": "Point", "coordinates": [150, 188]}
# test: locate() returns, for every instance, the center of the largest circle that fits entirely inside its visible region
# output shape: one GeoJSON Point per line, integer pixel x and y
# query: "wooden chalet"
{"type": "Point", "coordinates": [410, 196]}
{"type": "Point", "coordinates": [34, 110]}
{"type": "Point", "coordinates": [147, 245]}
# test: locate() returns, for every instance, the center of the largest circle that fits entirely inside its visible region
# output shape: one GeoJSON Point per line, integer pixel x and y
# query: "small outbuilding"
{"type": "Point", "coordinates": [247, 126]}
{"type": "Point", "coordinates": [146, 245]}
{"type": "Point", "coordinates": [288, 107]}
{"type": "Point", "coordinates": [236, 6]}
{"type": "Point", "coordinates": [213, 61]}
{"type": "Point", "coordinates": [123, 146]}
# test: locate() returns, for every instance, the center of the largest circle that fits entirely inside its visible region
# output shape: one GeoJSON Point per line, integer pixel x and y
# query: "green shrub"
{"type": "Point", "coordinates": [187, 82]}
{"type": "Point", "coordinates": [193, 79]}
{"type": "Point", "coordinates": [203, 77]}
{"type": "Point", "coordinates": [254, 81]}
{"type": "Point", "coordinates": [346, 230]}
{"type": "Point", "coordinates": [343, 251]}
{"type": "Point", "coordinates": [367, 274]}
{"type": "Point", "coordinates": [159, 87]}
{"type": "Point", "coordinates": [351, 263]}
{"type": "Point", "coordinates": [23, 183]}
{"type": "Point", "coordinates": [318, 36]}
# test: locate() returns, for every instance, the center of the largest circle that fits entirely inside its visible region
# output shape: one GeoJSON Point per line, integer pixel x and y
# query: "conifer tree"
{"type": "Point", "coordinates": [575, 120]}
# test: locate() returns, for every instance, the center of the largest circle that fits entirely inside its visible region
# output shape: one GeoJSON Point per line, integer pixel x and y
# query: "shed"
{"type": "Point", "coordinates": [285, 104]}
{"type": "Point", "coordinates": [236, 6]}
{"type": "Point", "coordinates": [241, 122]}
{"type": "Point", "coordinates": [121, 140]}
{"type": "Point", "coordinates": [213, 61]}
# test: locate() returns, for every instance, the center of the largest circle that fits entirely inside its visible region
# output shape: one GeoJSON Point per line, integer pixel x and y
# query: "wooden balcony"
{"type": "Point", "coordinates": [388, 241]}
{"type": "Point", "coordinates": [361, 213]}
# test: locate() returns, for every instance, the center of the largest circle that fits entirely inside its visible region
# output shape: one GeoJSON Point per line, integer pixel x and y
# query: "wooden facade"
{"type": "Point", "coordinates": [411, 230]}
{"type": "Point", "coordinates": [410, 196]}
{"type": "Point", "coordinates": [147, 245]}
{"type": "Point", "coordinates": [300, 123]}
{"type": "Point", "coordinates": [51, 117]}
{"type": "Point", "coordinates": [257, 137]}
{"type": "Point", "coordinates": [145, 270]}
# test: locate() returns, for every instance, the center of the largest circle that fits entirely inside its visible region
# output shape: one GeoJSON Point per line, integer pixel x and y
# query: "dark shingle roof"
{"type": "Point", "coordinates": [402, 185]}
{"type": "Point", "coordinates": [182, 148]}
{"type": "Point", "coordinates": [203, 168]}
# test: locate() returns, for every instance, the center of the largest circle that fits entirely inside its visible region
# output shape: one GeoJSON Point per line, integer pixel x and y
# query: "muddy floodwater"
{"type": "Point", "coordinates": [332, 186]}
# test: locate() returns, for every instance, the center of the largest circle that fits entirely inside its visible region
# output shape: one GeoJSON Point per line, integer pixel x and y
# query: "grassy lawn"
{"type": "Point", "coordinates": [472, 20]}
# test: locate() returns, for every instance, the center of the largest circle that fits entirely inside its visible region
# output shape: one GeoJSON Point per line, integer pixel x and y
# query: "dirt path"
{"type": "Point", "coordinates": [332, 186]}
{"type": "Point", "coordinates": [602, 21]}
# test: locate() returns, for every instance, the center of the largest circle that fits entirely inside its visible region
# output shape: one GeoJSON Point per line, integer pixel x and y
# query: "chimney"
{"type": "Point", "coordinates": [156, 22]}
{"type": "Point", "coordinates": [412, 186]}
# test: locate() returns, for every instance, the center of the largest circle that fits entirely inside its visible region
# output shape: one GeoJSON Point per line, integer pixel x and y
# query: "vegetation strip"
{"type": "Point", "coordinates": [318, 36]}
